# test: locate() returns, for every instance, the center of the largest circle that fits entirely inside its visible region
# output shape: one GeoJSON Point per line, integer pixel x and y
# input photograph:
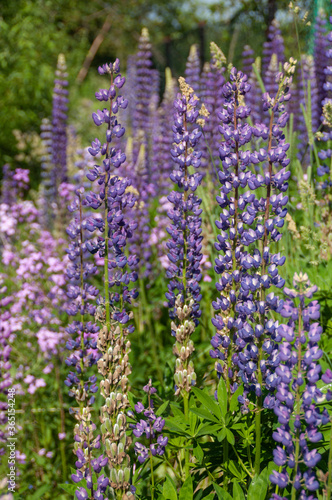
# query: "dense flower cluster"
{"type": "Point", "coordinates": [59, 123]}
{"type": "Point", "coordinates": [83, 344]}
{"type": "Point", "coordinates": [119, 271]}
{"type": "Point", "coordinates": [193, 70]}
{"type": "Point", "coordinates": [150, 426]}
{"type": "Point", "coordinates": [245, 219]}
{"type": "Point", "coordinates": [5, 365]}
{"type": "Point", "coordinates": [184, 247]}
{"type": "Point", "coordinates": [297, 393]}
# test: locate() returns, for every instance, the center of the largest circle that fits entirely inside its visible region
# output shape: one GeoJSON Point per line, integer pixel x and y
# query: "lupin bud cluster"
{"type": "Point", "coordinates": [113, 344]}
{"type": "Point", "coordinates": [184, 247]}
{"type": "Point", "coordinates": [299, 417]}
{"type": "Point", "coordinates": [150, 426]}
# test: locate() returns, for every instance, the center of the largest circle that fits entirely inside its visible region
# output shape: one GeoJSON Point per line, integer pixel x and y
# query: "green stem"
{"type": "Point", "coordinates": [297, 404]}
{"type": "Point", "coordinates": [152, 333]}
{"type": "Point", "coordinates": [258, 435]}
{"type": "Point", "coordinates": [241, 462]}
{"type": "Point", "coordinates": [186, 415]}
{"type": "Point", "coordinates": [62, 423]}
{"type": "Point", "coordinates": [152, 477]}
{"type": "Point", "coordinates": [174, 470]}
{"type": "Point", "coordinates": [329, 480]}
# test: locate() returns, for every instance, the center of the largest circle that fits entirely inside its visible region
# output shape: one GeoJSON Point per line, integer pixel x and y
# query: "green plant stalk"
{"type": "Point", "coordinates": [329, 480]}
{"type": "Point", "coordinates": [242, 463]}
{"type": "Point", "coordinates": [154, 341]}
{"type": "Point", "coordinates": [62, 423]}
{"type": "Point", "coordinates": [152, 477]}
{"type": "Point", "coordinates": [297, 405]}
{"type": "Point", "coordinates": [186, 451]}
{"type": "Point", "coordinates": [259, 399]}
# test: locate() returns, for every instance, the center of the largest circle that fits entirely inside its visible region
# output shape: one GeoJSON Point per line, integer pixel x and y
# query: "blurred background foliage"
{"type": "Point", "coordinates": [34, 32]}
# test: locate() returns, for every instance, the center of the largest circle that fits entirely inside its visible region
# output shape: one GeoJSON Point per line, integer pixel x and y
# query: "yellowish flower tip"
{"type": "Point", "coordinates": [258, 64]}
{"type": "Point", "coordinates": [193, 51]}
{"type": "Point", "coordinates": [206, 67]}
{"type": "Point", "coordinates": [289, 67]}
{"type": "Point", "coordinates": [327, 114]}
{"type": "Point", "coordinates": [186, 90]}
{"type": "Point", "coordinates": [219, 58]}
{"type": "Point", "coordinates": [145, 34]}
{"type": "Point", "coordinates": [273, 66]}
{"type": "Point", "coordinates": [203, 111]}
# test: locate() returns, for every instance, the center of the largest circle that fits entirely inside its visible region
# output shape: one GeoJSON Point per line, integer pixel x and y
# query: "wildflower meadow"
{"type": "Point", "coordinates": [166, 270]}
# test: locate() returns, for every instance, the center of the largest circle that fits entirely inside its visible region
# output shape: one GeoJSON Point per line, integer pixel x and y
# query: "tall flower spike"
{"type": "Point", "coordinates": [114, 314]}
{"type": "Point", "coordinates": [146, 87]}
{"type": "Point", "coordinates": [150, 426]}
{"type": "Point", "coordinates": [247, 59]}
{"type": "Point", "coordinates": [163, 139]}
{"type": "Point", "coordinates": [246, 338]}
{"type": "Point", "coordinates": [193, 69]}
{"type": "Point", "coordinates": [185, 243]}
{"type": "Point", "coordinates": [273, 45]}
{"type": "Point", "coordinates": [48, 189]}
{"type": "Point", "coordinates": [83, 344]}
{"type": "Point", "coordinates": [320, 53]}
{"type": "Point", "coordinates": [297, 394]}
{"type": "Point", "coordinates": [59, 123]}
{"type": "Point", "coordinates": [211, 85]}
{"type": "Point", "coordinates": [5, 366]}
{"type": "Point", "coordinates": [254, 97]}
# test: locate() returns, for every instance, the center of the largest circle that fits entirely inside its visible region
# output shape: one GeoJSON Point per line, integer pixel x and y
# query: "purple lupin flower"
{"type": "Point", "coordinates": [119, 271]}
{"type": "Point", "coordinates": [193, 69]}
{"type": "Point", "coordinates": [83, 344]}
{"type": "Point", "coordinates": [254, 97]}
{"type": "Point", "coordinates": [48, 188]}
{"type": "Point", "coordinates": [211, 85]}
{"type": "Point", "coordinates": [146, 88]}
{"type": "Point", "coordinates": [59, 123]}
{"type": "Point", "coordinates": [297, 393]}
{"type": "Point", "coordinates": [320, 53]}
{"type": "Point", "coordinates": [5, 366]}
{"type": "Point", "coordinates": [324, 169]}
{"type": "Point", "coordinates": [246, 337]}
{"type": "Point", "coordinates": [273, 45]}
{"type": "Point", "coordinates": [248, 60]}
{"type": "Point", "coordinates": [162, 140]}
{"type": "Point", "coordinates": [148, 428]}
{"type": "Point", "coordinates": [184, 246]}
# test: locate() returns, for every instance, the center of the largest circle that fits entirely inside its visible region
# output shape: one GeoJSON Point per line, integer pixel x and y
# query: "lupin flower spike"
{"type": "Point", "coordinates": [119, 271]}
{"type": "Point", "coordinates": [185, 244]}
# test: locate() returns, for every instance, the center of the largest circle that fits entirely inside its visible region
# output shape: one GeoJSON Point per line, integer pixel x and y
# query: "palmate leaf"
{"type": "Point", "coordinates": [208, 402]}
{"type": "Point", "coordinates": [204, 414]}
{"type": "Point", "coordinates": [177, 426]}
